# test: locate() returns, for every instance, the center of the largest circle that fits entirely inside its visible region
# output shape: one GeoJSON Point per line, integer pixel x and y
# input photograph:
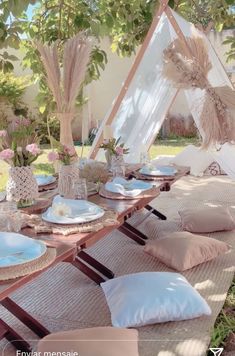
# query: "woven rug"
{"type": "Point", "coordinates": [63, 298]}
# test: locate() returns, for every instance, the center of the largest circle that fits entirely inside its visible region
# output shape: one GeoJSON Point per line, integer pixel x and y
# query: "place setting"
{"type": "Point", "coordinates": [124, 189]}
{"type": "Point", "coordinates": [156, 172]}
{"type": "Point", "coordinates": [67, 216]}
{"type": "Point", "coordinates": [45, 182]}
{"type": "Point", "coordinates": [21, 255]}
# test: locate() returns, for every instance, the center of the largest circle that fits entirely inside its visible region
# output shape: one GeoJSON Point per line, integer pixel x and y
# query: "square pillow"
{"type": "Point", "coordinates": [207, 219]}
{"type": "Point", "coordinates": [100, 341]}
{"type": "Point", "coordinates": [183, 250]}
{"type": "Point", "coordinates": [152, 297]}
{"type": "Point", "coordinates": [197, 159]}
{"type": "Point", "coordinates": [214, 169]}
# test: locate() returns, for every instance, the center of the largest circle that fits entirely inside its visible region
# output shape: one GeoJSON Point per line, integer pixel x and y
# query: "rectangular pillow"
{"type": "Point", "coordinates": [152, 297]}
{"type": "Point", "coordinates": [207, 219]}
{"type": "Point", "coordinates": [99, 341]}
{"type": "Point", "coordinates": [183, 250]}
{"type": "Point", "coordinates": [194, 157]}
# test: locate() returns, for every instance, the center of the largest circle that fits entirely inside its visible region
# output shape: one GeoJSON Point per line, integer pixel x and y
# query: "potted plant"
{"type": "Point", "coordinates": [19, 148]}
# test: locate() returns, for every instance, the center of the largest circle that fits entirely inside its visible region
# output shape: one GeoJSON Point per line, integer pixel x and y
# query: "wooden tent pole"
{"type": "Point", "coordinates": [156, 19]}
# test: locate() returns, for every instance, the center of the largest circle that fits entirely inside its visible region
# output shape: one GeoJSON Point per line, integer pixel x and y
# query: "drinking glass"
{"type": "Point", "coordinates": [144, 157]}
{"type": "Point", "coordinates": [80, 189]}
{"type": "Point", "coordinates": [10, 217]}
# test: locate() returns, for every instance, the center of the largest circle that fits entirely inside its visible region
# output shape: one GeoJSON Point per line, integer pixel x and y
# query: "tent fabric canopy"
{"type": "Point", "coordinates": [149, 95]}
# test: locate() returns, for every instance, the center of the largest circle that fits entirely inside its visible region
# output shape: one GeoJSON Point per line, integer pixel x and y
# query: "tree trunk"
{"type": "Point", "coordinates": [66, 137]}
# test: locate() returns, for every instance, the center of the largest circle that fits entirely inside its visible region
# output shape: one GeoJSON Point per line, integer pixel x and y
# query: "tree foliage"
{"type": "Point", "coordinates": [126, 22]}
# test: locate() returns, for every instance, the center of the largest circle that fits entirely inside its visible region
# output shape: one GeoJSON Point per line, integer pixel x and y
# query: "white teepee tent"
{"type": "Point", "coordinates": [146, 96]}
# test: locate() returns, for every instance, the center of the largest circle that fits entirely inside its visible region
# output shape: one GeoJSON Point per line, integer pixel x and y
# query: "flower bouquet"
{"type": "Point", "coordinates": [69, 170]}
{"type": "Point", "coordinates": [114, 151]}
{"type": "Point", "coordinates": [19, 148]}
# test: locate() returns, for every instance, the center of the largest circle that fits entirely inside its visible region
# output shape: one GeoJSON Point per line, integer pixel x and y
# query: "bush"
{"type": "Point", "coordinates": [12, 88]}
{"type": "Point", "coordinates": [54, 126]}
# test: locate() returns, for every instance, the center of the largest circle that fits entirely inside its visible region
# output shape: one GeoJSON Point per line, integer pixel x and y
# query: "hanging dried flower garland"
{"type": "Point", "coordinates": [186, 64]}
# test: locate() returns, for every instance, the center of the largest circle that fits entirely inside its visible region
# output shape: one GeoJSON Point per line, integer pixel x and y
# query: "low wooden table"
{"type": "Point", "coordinates": [64, 253]}
{"type": "Point", "coordinates": [71, 249]}
{"type": "Point", "coordinates": [124, 209]}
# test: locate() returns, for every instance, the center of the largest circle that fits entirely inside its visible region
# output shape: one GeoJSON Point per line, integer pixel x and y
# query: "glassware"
{"type": "Point", "coordinates": [80, 189]}
{"type": "Point", "coordinates": [10, 217]}
{"type": "Point", "coordinates": [118, 166]}
{"type": "Point", "coordinates": [144, 158]}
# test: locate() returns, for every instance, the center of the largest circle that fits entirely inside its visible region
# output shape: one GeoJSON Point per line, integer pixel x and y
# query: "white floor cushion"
{"type": "Point", "coordinates": [152, 297]}
{"type": "Point", "coordinates": [197, 159]}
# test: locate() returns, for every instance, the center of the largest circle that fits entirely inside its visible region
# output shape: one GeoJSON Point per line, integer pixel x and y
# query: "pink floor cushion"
{"type": "Point", "coordinates": [100, 341]}
{"type": "Point", "coordinates": [207, 219]}
{"type": "Point", "coordinates": [184, 250]}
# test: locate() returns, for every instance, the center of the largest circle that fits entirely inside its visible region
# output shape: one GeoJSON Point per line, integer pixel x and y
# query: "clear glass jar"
{"type": "Point", "coordinates": [144, 157]}
{"type": "Point", "coordinates": [10, 217]}
{"type": "Point", "coordinates": [118, 166]}
{"type": "Point", "coordinates": [80, 189]}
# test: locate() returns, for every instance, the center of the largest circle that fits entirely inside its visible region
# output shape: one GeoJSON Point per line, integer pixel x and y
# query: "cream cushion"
{"type": "Point", "coordinates": [183, 250]}
{"type": "Point", "coordinates": [146, 298]}
{"type": "Point", "coordinates": [207, 219]}
{"type": "Point", "coordinates": [100, 341]}
{"type": "Point", "coordinates": [197, 159]}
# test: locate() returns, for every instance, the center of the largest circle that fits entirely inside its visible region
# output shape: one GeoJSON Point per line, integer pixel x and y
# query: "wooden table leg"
{"type": "Point", "coordinates": [25, 318]}
{"type": "Point", "coordinates": [156, 212]}
{"type": "Point", "coordinates": [135, 231]}
{"type": "Point", "coordinates": [14, 338]}
{"type": "Point", "coordinates": [88, 271]}
{"type": "Point", "coordinates": [95, 264]}
{"type": "Point", "coordinates": [131, 234]}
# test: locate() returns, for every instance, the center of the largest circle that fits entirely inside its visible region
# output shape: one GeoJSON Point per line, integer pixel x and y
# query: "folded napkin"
{"type": "Point", "coordinates": [127, 188]}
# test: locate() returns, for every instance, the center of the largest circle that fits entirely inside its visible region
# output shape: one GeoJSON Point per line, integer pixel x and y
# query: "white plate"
{"type": "Point", "coordinates": [43, 179]}
{"type": "Point", "coordinates": [137, 184]}
{"type": "Point", "coordinates": [158, 171]}
{"type": "Point", "coordinates": [82, 211]}
{"type": "Point", "coordinates": [17, 249]}
{"type": "Point", "coordinates": [127, 188]}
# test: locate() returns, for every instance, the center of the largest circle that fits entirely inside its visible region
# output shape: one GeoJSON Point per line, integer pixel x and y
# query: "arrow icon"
{"type": "Point", "coordinates": [217, 351]}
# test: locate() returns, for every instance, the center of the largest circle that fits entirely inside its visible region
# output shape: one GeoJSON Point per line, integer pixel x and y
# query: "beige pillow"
{"type": "Point", "coordinates": [206, 219]}
{"type": "Point", "coordinates": [101, 341]}
{"type": "Point", "coordinates": [183, 250]}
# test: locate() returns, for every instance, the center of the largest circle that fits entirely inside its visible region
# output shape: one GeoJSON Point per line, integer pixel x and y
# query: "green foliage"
{"type": "Point", "coordinates": [204, 11]}
{"type": "Point", "coordinates": [231, 53]}
{"type": "Point", "coordinates": [44, 121]}
{"type": "Point", "coordinates": [12, 87]}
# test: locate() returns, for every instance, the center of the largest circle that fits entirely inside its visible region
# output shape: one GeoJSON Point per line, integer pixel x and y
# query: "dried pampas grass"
{"type": "Point", "coordinates": [95, 172]}
{"type": "Point", "coordinates": [186, 64]}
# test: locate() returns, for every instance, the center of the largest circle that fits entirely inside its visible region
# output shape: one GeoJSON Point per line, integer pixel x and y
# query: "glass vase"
{"type": "Point", "coordinates": [108, 157]}
{"type": "Point", "coordinates": [118, 166]}
{"type": "Point", "coordinates": [68, 178]}
{"type": "Point", "coordinates": [22, 186]}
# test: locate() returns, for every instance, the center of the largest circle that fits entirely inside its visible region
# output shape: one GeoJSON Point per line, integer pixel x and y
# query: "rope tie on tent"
{"type": "Point", "coordinates": [217, 109]}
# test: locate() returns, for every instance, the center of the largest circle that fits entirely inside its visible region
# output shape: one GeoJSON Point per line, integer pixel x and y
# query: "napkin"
{"type": "Point", "coordinates": [122, 186]}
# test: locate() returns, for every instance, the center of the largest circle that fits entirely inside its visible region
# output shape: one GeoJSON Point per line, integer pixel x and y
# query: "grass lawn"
{"type": "Point", "coordinates": [162, 147]}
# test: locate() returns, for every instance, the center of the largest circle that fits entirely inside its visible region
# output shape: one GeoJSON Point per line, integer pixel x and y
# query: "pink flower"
{"type": "Point", "coordinates": [25, 122]}
{"type": "Point", "coordinates": [6, 154]}
{"type": "Point", "coordinates": [33, 149]}
{"type": "Point", "coordinates": [3, 133]}
{"type": "Point", "coordinates": [69, 150]}
{"type": "Point", "coordinates": [119, 151]}
{"type": "Point", "coordinates": [106, 142]}
{"type": "Point", "coordinates": [52, 156]}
